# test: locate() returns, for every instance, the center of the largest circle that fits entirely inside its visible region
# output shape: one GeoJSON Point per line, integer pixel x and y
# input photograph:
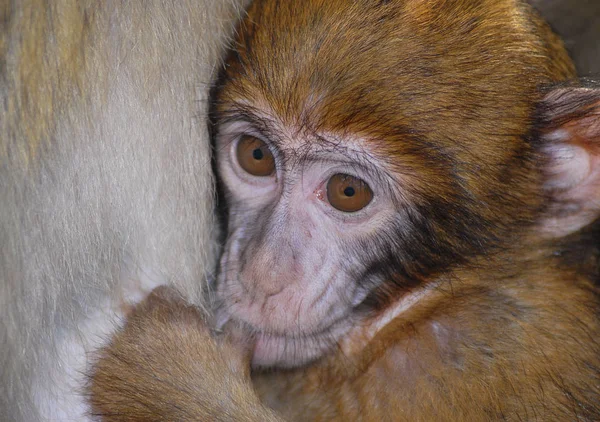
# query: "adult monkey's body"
{"type": "Point", "coordinates": [412, 226]}
{"type": "Point", "coordinates": [105, 179]}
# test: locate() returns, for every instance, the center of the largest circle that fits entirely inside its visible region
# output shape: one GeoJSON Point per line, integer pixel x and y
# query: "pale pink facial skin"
{"type": "Point", "coordinates": [285, 270]}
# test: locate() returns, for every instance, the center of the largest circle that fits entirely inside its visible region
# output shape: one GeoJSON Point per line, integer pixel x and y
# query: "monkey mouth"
{"type": "Point", "coordinates": [273, 349]}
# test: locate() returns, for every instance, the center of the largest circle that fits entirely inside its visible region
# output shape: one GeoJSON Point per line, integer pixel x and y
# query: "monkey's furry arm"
{"type": "Point", "coordinates": [164, 365]}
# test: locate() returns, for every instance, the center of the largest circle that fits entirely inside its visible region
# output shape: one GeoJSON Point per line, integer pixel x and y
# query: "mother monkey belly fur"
{"type": "Point", "coordinates": [106, 186]}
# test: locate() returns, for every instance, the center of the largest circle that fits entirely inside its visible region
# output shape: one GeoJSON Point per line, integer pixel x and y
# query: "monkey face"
{"type": "Point", "coordinates": [298, 204]}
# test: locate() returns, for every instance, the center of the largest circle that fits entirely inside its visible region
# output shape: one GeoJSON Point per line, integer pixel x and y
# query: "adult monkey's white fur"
{"type": "Point", "coordinates": [105, 179]}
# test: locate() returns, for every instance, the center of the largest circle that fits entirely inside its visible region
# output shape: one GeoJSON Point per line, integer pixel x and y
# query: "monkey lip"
{"type": "Point", "coordinates": [287, 351]}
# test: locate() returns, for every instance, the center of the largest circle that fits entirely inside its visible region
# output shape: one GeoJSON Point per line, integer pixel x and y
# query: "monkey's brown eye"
{"type": "Point", "coordinates": [348, 193]}
{"type": "Point", "coordinates": [255, 156]}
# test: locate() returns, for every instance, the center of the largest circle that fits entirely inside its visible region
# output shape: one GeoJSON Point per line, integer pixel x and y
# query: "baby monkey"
{"type": "Point", "coordinates": [412, 192]}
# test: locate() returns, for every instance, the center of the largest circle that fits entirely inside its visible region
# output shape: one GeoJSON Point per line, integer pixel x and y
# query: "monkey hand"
{"type": "Point", "coordinates": [165, 365]}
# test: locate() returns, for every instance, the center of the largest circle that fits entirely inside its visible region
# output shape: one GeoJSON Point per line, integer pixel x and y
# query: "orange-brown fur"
{"type": "Point", "coordinates": [171, 342]}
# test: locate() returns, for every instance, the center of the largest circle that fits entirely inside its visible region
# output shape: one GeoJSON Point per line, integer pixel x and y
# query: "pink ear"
{"type": "Point", "coordinates": [571, 143]}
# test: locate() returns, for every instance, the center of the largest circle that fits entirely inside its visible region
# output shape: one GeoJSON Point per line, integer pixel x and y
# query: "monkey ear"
{"type": "Point", "coordinates": [569, 121]}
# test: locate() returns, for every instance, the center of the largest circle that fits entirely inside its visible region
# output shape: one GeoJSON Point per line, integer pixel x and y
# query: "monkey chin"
{"type": "Point", "coordinates": [348, 334]}
{"type": "Point", "coordinates": [272, 349]}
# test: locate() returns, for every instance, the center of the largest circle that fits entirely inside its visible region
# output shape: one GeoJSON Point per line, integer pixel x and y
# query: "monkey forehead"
{"type": "Point", "coordinates": [428, 69]}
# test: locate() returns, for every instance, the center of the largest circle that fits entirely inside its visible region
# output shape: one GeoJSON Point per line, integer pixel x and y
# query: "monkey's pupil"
{"type": "Point", "coordinates": [349, 191]}
{"type": "Point", "coordinates": [258, 154]}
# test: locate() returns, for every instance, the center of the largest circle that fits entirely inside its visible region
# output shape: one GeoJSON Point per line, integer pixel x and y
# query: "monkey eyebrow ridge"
{"type": "Point", "coordinates": [314, 146]}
